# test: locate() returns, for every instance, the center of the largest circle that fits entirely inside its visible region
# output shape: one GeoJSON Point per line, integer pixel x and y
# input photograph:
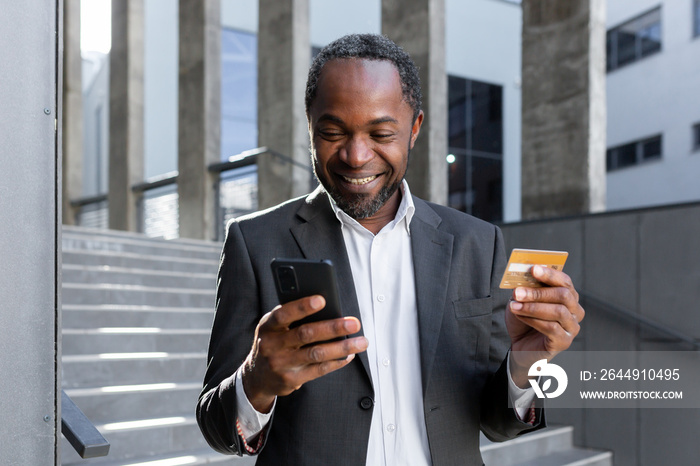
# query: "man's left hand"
{"type": "Point", "coordinates": [543, 321]}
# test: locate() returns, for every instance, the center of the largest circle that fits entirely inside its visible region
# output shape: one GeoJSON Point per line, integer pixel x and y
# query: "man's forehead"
{"type": "Point", "coordinates": [378, 68]}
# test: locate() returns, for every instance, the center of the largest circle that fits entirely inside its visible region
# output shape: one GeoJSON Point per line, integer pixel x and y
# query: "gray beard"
{"type": "Point", "coordinates": [358, 206]}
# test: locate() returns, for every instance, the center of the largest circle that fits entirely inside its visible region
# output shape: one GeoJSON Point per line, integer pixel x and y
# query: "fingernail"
{"type": "Point", "coordinates": [352, 325]}
{"type": "Point", "coordinates": [537, 270]}
{"type": "Point", "coordinates": [362, 343]}
{"type": "Point", "coordinates": [316, 302]}
{"type": "Point", "coordinates": [515, 306]}
{"type": "Point", "coordinates": [520, 294]}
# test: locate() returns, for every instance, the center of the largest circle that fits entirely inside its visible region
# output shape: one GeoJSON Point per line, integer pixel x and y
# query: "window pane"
{"type": "Point", "coordinates": [634, 39]}
{"type": "Point", "coordinates": [457, 179]}
{"type": "Point", "coordinates": [626, 155]}
{"type": "Point", "coordinates": [610, 55]}
{"type": "Point", "coordinates": [610, 159]}
{"type": "Point", "coordinates": [696, 139]}
{"type": "Point", "coordinates": [487, 190]}
{"type": "Point", "coordinates": [239, 99]}
{"type": "Point", "coordinates": [696, 15]}
{"type": "Point", "coordinates": [457, 112]}
{"type": "Point", "coordinates": [651, 149]}
{"type": "Point", "coordinates": [626, 47]}
{"type": "Point", "coordinates": [487, 118]}
{"type": "Point", "coordinates": [650, 39]}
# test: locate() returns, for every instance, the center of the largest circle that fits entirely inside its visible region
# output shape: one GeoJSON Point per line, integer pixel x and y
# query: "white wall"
{"type": "Point", "coordinates": [483, 43]}
{"type": "Point", "coordinates": [331, 19]}
{"type": "Point", "coordinates": [658, 94]}
{"type": "Point", "coordinates": [160, 86]}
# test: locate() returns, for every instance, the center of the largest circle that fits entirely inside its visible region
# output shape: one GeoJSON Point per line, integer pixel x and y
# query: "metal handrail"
{"type": "Point", "coordinates": [650, 324]}
{"type": "Point", "coordinates": [80, 432]}
{"type": "Point", "coordinates": [156, 182]}
{"type": "Point", "coordinates": [249, 157]}
{"type": "Point", "coordinates": [83, 201]}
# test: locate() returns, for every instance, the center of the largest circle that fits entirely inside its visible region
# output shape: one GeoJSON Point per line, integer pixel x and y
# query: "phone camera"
{"type": "Point", "coordinates": [287, 279]}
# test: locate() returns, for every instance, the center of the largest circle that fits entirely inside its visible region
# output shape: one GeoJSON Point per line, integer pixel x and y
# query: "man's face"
{"type": "Point", "coordinates": [361, 133]}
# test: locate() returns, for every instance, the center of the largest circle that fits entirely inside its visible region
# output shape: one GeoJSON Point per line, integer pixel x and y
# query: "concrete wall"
{"type": "Point", "coordinates": [30, 210]}
{"type": "Point", "coordinates": [645, 261]}
{"type": "Point", "coordinates": [657, 94]}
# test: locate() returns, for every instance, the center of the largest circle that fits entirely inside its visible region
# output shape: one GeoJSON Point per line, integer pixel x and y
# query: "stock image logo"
{"type": "Point", "coordinates": [547, 372]}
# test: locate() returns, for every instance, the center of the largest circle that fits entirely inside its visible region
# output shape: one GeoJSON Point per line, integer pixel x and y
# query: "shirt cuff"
{"type": "Point", "coordinates": [249, 419]}
{"type": "Point", "coordinates": [520, 398]}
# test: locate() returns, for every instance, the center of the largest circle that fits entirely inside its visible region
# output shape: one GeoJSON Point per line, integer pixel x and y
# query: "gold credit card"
{"type": "Point", "coordinates": [518, 271]}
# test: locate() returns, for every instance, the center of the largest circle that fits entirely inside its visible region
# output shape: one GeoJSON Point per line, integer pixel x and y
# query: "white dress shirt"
{"type": "Point", "coordinates": [382, 270]}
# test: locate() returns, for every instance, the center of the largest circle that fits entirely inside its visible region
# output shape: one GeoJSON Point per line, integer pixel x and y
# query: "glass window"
{"type": "Point", "coordinates": [239, 92]}
{"type": "Point", "coordinates": [696, 137]}
{"type": "Point", "coordinates": [475, 139]}
{"type": "Point", "coordinates": [696, 18]}
{"type": "Point", "coordinates": [633, 40]}
{"type": "Point", "coordinates": [634, 153]}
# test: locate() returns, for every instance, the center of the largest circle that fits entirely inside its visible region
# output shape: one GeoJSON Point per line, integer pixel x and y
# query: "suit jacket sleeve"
{"type": "Point", "coordinates": [499, 421]}
{"type": "Point", "coordinates": [231, 339]}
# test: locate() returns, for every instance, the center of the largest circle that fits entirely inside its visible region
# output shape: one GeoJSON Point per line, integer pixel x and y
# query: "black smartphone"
{"type": "Point", "coordinates": [299, 278]}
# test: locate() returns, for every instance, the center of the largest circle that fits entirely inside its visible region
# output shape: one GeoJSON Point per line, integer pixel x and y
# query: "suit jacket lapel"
{"type": "Point", "coordinates": [319, 237]}
{"type": "Point", "coordinates": [432, 256]}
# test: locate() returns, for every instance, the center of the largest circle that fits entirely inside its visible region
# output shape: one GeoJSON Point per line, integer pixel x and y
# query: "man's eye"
{"type": "Point", "coordinates": [382, 136]}
{"type": "Point", "coordinates": [330, 134]}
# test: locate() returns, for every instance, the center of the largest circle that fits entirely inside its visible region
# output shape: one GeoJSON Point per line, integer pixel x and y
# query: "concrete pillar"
{"type": "Point", "coordinates": [72, 110]}
{"type": "Point", "coordinates": [31, 45]}
{"type": "Point", "coordinates": [126, 146]}
{"type": "Point", "coordinates": [199, 115]}
{"type": "Point", "coordinates": [284, 55]}
{"type": "Point", "coordinates": [563, 107]}
{"type": "Point", "coordinates": [419, 27]}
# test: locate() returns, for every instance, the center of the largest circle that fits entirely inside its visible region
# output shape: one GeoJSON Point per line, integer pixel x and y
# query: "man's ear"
{"type": "Point", "coordinates": [415, 129]}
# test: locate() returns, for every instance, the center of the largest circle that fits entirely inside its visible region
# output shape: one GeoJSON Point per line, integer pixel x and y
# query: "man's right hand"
{"type": "Point", "coordinates": [282, 359]}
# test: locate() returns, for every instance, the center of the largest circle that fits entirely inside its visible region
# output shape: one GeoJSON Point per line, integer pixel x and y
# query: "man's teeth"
{"type": "Point", "coordinates": [360, 181]}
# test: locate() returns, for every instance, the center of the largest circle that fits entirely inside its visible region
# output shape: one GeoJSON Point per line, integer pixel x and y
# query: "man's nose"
{"type": "Point", "coordinates": [356, 152]}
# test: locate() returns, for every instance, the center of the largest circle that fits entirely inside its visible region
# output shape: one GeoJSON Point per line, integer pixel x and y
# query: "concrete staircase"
{"type": "Point", "coordinates": [137, 314]}
{"type": "Point", "coordinates": [552, 446]}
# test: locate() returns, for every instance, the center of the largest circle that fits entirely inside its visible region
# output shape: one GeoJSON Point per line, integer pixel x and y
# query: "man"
{"type": "Point", "coordinates": [424, 367]}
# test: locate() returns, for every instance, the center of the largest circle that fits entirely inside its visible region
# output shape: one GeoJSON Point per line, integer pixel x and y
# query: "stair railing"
{"type": "Point", "coordinates": [650, 324]}
{"type": "Point", "coordinates": [80, 432]}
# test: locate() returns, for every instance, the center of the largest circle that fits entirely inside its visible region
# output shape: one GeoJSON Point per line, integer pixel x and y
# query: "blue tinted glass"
{"type": "Point", "coordinates": [239, 99]}
{"type": "Point", "coordinates": [697, 17]}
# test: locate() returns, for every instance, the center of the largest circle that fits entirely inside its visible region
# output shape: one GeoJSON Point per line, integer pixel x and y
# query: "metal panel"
{"type": "Point", "coordinates": [29, 178]}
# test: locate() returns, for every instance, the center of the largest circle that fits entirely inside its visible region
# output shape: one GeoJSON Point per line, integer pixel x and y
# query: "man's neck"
{"type": "Point", "coordinates": [384, 215]}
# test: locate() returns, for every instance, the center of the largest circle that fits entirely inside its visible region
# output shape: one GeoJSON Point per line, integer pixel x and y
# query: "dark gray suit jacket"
{"type": "Point", "coordinates": [458, 261]}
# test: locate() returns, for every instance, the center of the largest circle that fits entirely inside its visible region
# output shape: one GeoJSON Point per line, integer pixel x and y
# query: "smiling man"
{"type": "Point", "coordinates": [425, 366]}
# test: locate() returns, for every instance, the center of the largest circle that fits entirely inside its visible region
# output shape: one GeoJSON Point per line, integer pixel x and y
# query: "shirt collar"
{"type": "Point", "coordinates": [403, 214]}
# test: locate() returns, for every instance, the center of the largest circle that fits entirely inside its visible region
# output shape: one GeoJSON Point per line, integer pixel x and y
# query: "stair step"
{"type": "Point", "coordinates": [75, 273]}
{"type": "Point", "coordinates": [140, 261]}
{"type": "Point", "coordinates": [126, 402]}
{"type": "Point", "coordinates": [572, 457]}
{"type": "Point", "coordinates": [90, 238]}
{"type": "Point", "coordinates": [108, 293]}
{"type": "Point", "coordinates": [133, 339]}
{"type": "Point", "coordinates": [189, 458]}
{"type": "Point", "coordinates": [527, 447]}
{"type": "Point", "coordinates": [113, 315]}
{"type": "Point", "coordinates": [94, 370]}
{"type": "Point", "coordinates": [143, 438]}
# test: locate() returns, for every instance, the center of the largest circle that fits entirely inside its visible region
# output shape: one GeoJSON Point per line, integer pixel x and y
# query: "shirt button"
{"type": "Point", "coordinates": [391, 428]}
{"type": "Point", "coordinates": [386, 362]}
{"type": "Point", "coordinates": [380, 298]}
{"type": "Point", "coordinates": [366, 402]}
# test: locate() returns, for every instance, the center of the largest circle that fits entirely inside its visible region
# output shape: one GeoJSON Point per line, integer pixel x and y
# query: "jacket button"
{"type": "Point", "coordinates": [366, 402]}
